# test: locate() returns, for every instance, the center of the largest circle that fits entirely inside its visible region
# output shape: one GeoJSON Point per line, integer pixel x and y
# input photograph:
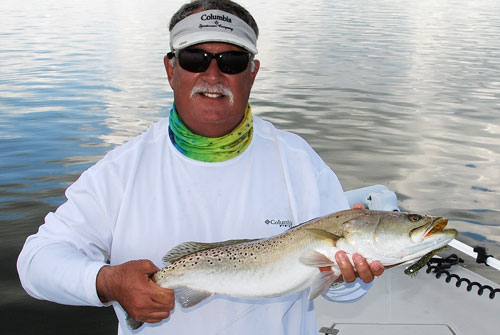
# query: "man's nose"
{"type": "Point", "coordinates": [213, 72]}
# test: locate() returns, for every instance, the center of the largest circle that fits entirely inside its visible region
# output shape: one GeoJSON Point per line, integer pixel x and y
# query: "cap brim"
{"type": "Point", "coordinates": [212, 36]}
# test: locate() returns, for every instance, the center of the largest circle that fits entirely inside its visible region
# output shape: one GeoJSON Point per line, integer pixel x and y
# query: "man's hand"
{"type": "Point", "coordinates": [365, 271]}
{"type": "Point", "coordinates": [130, 284]}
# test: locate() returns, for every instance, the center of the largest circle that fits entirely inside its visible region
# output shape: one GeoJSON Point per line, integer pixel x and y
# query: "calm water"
{"type": "Point", "coordinates": [394, 92]}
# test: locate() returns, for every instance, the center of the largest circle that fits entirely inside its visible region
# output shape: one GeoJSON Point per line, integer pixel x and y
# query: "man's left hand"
{"type": "Point", "coordinates": [367, 272]}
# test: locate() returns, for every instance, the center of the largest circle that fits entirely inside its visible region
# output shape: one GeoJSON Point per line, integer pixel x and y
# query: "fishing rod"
{"type": "Point", "coordinates": [477, 253]}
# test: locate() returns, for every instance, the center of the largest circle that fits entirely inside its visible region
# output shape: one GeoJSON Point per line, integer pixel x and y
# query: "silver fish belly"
{"type": "Point", "coordinates": [252, 269]}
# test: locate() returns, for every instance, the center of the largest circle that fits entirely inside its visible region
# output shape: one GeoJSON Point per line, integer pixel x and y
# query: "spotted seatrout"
{"type": "Point", "coordinates": [289, 262]}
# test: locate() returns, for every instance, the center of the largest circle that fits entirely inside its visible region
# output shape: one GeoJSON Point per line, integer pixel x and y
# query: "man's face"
{"type": "Point", "coordinates": [206, 113]}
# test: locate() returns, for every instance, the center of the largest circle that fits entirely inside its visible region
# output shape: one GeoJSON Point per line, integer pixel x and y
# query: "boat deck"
{"type": "Point", "coordinates": [399, 304]}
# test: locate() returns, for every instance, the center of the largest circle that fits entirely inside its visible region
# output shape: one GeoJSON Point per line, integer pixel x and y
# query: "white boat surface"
{"type": "Point", "coordinates": [424, 304]}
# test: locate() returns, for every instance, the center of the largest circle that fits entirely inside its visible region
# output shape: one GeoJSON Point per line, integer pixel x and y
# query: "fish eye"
{"type": "Point", "coordinates": [414, 217]}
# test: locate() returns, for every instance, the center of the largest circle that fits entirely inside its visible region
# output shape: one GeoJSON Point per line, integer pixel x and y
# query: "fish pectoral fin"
{"type": "Point", "coordinates": [189, 297]}
{"type": "Point", "coordinates": [325, 235]}
{"type": "Point", "coordinates": [188, 248]}
{"type": "Point", "coordinates": [322, 281]}
{"type": "Point", "coordinates": [315, 259]}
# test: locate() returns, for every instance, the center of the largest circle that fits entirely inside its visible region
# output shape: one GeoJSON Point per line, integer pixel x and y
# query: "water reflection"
{"type": "Point", "coordinates": [414, 100]}
{"type": "Point", "coordinates": [400, 93]}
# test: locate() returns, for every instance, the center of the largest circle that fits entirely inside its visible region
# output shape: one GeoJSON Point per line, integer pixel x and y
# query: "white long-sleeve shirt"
{"type": "Point", "coordinates": [145, 197]}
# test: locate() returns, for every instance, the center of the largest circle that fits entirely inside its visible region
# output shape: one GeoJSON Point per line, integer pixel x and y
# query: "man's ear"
{"type": "Point", "coordinates": [255, 69]}
{"type": "Point", "coordinates": [169, 68]}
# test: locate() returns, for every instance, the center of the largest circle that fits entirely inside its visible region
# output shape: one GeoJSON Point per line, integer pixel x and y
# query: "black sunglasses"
{"type": "Point", "coordinates": [198, 60]}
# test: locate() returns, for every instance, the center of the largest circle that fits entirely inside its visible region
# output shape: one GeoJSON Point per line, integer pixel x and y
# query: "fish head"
{"type": "Point", "coordinates": [394, 237]}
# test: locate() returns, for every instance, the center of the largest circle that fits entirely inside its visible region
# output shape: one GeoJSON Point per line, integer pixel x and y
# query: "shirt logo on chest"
{"type": "Point", "coordinates": [281, 223]}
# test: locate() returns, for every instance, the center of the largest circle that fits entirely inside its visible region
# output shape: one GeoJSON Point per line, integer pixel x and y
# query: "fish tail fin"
{"type": "Point", "coordinates": [132, 323]}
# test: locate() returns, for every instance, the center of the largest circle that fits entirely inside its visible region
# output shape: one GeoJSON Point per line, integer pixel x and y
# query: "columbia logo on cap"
{"type": "Point", "coordinates": [206, 17]}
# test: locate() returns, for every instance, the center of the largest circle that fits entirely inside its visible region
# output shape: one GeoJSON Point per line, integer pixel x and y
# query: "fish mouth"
{"type": "Point", "coordinates": [433, 230]}
{"type": "Point", "coordinates": [429, 237]}
{"type": "Point", "coordinates": [437, 226]}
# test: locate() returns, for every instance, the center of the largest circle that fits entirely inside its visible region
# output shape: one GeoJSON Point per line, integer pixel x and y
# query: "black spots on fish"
{"type": "Point", "coordinates": [414, 217]}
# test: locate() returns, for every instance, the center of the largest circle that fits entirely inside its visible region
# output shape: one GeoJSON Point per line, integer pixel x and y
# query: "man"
{"type": "Point", "coordinates": [211, 172]}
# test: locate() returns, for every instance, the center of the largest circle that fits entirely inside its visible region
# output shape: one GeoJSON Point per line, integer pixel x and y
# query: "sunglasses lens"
{"type": "Point", "coordinates": [232, 62]}
{"type": "Point", "coordinates": [197, 60]}
{"type": "Point", "coordinates": [194, 60]}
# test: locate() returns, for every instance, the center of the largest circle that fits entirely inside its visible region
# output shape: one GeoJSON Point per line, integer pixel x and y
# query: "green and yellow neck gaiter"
{"type": "Point", "coordinates": [208, 149]}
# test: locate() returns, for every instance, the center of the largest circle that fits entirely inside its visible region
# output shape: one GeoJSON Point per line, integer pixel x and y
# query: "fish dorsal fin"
{"type": "Point", "coordinates": [325, 234]}
{"type": "Point", "coordinates": [188, 248]}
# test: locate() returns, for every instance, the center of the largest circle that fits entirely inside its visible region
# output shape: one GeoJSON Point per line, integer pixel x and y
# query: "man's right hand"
{"type": "Point", "coordinates": [130, 284]}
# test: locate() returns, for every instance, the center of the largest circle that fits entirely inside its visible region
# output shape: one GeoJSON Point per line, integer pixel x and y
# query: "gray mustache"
{"type": "Point", "coordinates": [212, 88]}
